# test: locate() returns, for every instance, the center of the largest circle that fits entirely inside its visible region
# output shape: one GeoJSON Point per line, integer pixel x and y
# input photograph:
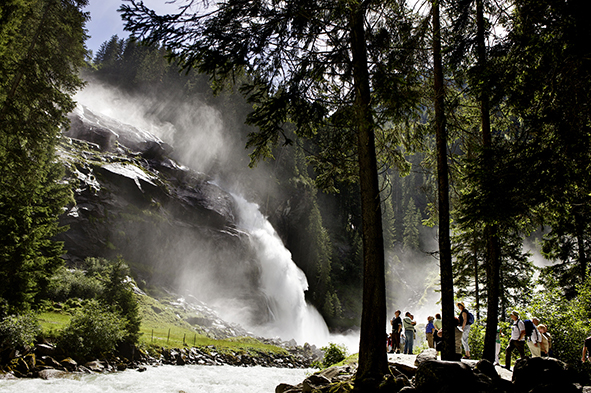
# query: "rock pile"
{"type": "Point", "coordinates": [533, 375]}
{"type": "Point", "coordinates": [46, 361]}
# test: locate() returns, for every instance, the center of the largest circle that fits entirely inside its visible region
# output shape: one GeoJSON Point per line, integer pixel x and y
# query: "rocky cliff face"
{"type": "Point", "coordinates": [174, 226]}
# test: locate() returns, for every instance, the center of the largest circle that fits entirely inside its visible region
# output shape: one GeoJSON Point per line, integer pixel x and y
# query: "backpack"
{"type": "Point", "coordinates": [529, 327]}
{"type": "Point", "coordinates": [470, 320]}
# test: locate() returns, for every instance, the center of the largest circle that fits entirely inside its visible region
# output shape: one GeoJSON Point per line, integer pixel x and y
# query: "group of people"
{"type": "Point", "coordinates": [536, 335]}
{"type": "Point", "coordinates": [531, 331]}
{"type": "Point", "coordinates": [404, 331]}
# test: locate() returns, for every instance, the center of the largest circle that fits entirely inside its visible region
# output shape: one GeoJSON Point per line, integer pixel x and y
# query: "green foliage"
{"type": "Point", "coordinates": [66, 284]}
{"type": "Point", "coordinates": [93, 330]}
{"type": "Point", "coordinates": [119, 294]}
{"type": "Point", "coordinates": [476, 341]}
{"type": "Point", "coordinates": [39, 62]}
{"type": "Point", "coordinates": [18, 331]}
{"type": "Point", "coordinates": [333, 354]}
{"type": "Point", "coordinates": [567, 320]}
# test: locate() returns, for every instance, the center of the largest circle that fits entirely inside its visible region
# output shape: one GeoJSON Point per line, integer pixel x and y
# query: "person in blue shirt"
{"type": "Point", "coordinates": [429, 331]}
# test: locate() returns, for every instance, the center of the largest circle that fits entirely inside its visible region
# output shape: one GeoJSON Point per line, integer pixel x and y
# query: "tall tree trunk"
{"type": "Point", "coordinates": [493, 279]}
{"type": "Point", "coordinates": [373, 360]}
{"type": "Point", "coordinates": [490, 230]}
{"type": "Point", "coordinates": [445, 265]}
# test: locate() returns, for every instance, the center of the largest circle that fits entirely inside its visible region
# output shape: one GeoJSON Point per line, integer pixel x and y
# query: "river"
{"type": "Point", "coordinates": [166, 379]}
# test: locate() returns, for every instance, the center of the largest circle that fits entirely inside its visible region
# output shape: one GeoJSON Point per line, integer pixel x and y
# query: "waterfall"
{"type": "Point", "coordinates": [281, 281]}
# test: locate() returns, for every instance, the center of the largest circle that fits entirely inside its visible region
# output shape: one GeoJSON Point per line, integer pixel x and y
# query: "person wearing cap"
{"type": "Point", "coordinates": [517, 339]}
{"type": "Point", "coordinates": [465, 325]}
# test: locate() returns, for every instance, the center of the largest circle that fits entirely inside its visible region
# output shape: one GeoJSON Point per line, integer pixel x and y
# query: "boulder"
{"type": "Point", "coordinates": [285, 388]}
{"type": "Point", "coordinates": [314, 382]}
{"type": "Point", "coordinates": [427, 354]}
{"type": "Point", "coordinates": [406, 369]}
{"type": "Point", "coordinates": [69, 364]}
{"type": "Point", "coordinates": [543, 375]}
{"type": "Point", "coordinates": [44, 349]}
{"type": "Point", "coordinates": [52, 373]}
{"type": "Point", "coordinates": [439, 376]}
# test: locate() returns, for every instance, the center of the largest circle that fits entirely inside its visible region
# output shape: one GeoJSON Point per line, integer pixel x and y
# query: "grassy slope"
{"type": "Point", "coordinates": [167, 328]}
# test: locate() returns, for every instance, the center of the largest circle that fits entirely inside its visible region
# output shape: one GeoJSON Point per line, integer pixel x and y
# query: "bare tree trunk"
{"type": "Point", "coordinates": [490, 230]}
{"type": "Point", "coordinates": [373, 360]}
{"type": "Point", "coordinates": [446, 273]}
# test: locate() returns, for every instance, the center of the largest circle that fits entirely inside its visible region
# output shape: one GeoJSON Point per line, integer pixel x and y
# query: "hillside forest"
{"type": "Point", "coordinates": [393, 146]}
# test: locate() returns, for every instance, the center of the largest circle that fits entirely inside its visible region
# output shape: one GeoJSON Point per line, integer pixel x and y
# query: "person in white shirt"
{"type": "Point", "coordinates": [517, 339]}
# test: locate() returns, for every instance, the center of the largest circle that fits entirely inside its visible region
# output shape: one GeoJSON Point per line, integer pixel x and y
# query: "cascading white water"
{"type": "Point", "coordinates": [282, 282]}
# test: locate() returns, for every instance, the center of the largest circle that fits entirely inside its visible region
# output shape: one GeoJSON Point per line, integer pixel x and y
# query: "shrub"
{"type": "Point", "coordinates": [476, 340]}
{"type": "Point", "coordinates": [66, 284]}
{"type": "Point", "coordinates": [333, 354]}
{"type": "Point", "coordinates": [19, 330]}
{"type": "Point", "coordinates": [119, 293]}
{"type": "Point", "coordinates": [93, 330]}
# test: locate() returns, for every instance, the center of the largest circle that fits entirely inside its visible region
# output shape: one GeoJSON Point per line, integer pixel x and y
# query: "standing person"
{"type": "Point", "coordinates": [586, 349]}
{"type": "Point", "coordinates": [429, 331]}
{"type": "Point", "coordinates": [535, 339]}
{"type": "Point", "coordinates": [409, 332]}
{"type": "Point", "coordinates": [465, 322]}
{"type": "Point", "coordinates": [438, 323]}
{"type": "Point", "coordinates": [545, 344]}
{"type": "Point", "coordinates": [396, 330]}
{"type": "Point", "coordinates": [517, 339]}
{"type": "Point", "coordinates": [498, 345]}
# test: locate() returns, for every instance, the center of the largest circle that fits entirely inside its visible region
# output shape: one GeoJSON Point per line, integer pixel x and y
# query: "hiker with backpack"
{"type": "Point", "coordinates": [466, 320]}
{"type": "Point", "coordinates": [517, 339]}
{"type": "Point", "coordinates": [533, 336]}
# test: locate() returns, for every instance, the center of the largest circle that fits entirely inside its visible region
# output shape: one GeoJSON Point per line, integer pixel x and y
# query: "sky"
{"type": "Point", "coordinates": [105, 21]}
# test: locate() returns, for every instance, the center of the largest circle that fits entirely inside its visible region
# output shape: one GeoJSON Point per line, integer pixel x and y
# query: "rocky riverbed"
{"type": "Point", "coordinates": [46, 361]}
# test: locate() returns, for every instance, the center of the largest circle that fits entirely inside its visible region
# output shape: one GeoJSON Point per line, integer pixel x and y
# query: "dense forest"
{"type": "Point", "coordinates": [375, 128]}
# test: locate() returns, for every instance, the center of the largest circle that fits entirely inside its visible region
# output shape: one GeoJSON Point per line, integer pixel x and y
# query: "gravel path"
{"type": "Point", "coordinates": [410, 361]}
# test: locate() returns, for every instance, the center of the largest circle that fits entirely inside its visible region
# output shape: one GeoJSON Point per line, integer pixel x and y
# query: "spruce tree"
{"type": "Point", "coordinates": [39, 62]}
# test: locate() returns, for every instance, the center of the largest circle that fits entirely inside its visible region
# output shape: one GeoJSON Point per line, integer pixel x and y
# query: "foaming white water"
{"type": "Point", "coordinates": [164, 379]}
{"type": "Point", "coordinates": [282, 282]}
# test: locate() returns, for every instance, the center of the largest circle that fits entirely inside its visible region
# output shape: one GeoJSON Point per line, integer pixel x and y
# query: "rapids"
{"type": "Point", "coordinates": [166, 379]}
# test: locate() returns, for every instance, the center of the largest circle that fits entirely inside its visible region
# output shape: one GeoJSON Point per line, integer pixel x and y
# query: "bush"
{"type": "Point", "coordinates": [476, 340]}
{"type": "Point", "coordinates": [119, 293]}
{"type": "Point", "coordinates": [333, 354]}
{"type": "Point", "coordinates": [93, 330]}
{"type": "Point", "coordinates": [67, 284]}
{"type": "Point", "coordinates": [19, 330]}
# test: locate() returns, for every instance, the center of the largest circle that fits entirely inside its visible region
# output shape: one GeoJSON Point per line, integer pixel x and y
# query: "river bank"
{"type": "Point", "coordinates": [45, 361]}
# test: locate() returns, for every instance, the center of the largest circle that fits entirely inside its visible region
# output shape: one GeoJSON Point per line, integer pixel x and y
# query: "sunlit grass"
{"type": "Point", "coordinates": [165, 326]}
{"type": "Point", "coordinates": [52, 321]}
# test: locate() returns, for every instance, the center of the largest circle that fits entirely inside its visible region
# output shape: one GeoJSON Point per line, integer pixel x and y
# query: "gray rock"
{"type": "Point", "coordinates": [285, 388]}
{"type": "Point", "coordinates": [314, 382]}
{"type": "Point", "coordinates": [52, 374]}
{"type": "Point", "coordinates": [444, 376]}
{"type": "Point", "coordinates": [543, 374]}
{"type": "Point", "coordinates": [95, 366]}
{"type": "Point", "coordinates": [427, 354]}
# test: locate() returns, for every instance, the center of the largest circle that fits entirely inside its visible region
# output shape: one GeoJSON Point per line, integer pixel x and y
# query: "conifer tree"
{"type": "Point", "coordinates": [41, 50]}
